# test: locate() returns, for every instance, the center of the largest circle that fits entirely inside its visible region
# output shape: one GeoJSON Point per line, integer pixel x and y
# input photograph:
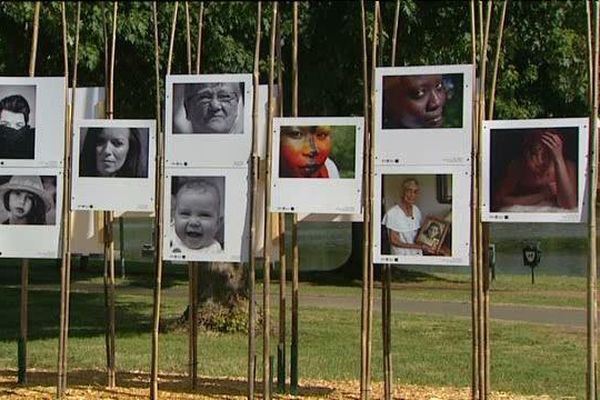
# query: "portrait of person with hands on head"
{"type": "Point", "coordinates": [541, 178]}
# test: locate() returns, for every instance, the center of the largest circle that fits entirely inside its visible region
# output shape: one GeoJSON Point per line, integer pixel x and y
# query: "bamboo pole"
{"type": "Point", "coordinates": [371, 194]}
{"type": "Point", "coordinates": [592, 290]}
{"type": "Point", "coordinates": [386, 277]}
{"type": "Point", "coordinates": [268, 219]}
{"type": "Point", "coordinates": [497, 61]}
{"type": "Point", "coordinates": [294, 370]}
{"type": "Point", "coordinates": [254, 205]}
{"type": "Point", "coordinates": [474, 210]}
{"type": "Point", "coordinates": [281, 357]}
{"type": "Point", "coordinates": [159, 189]}
{"type": "Point", "coordinates": [199, 40]}
{"type": "Point", "coordinates": [364, 383]}
{"type": "Point", "coordinates": [24, 316]}
{"type": "Point", "coordinates": [66, 220]}
{"type": "Point", "coordinates": [109, 244]}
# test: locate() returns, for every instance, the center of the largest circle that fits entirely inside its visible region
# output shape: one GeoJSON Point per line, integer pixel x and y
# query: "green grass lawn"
{"type": "Point", "coordinates": [428, 350]}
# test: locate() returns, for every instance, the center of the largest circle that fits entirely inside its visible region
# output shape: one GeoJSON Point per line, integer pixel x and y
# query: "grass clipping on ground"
{"type": "Point", "coordinates": [87, 384]}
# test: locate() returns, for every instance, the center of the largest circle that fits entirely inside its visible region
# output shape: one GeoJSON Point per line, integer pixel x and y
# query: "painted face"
{"type": "Point", "coordinates": [212, 107]}
{"type": "Point", "coordinates": [12, 120]}
{"type": "Point", "coordinates": [410, 193]}
{"type": "Point", "coordinates": [418, 102]}
{"type": "Point", "coordinates": [304, 150]}
{"type": "Point", "coordinates": [20, 203]}
{"type": "Point", "coordinates": [112, 147]}
{"type": "Point", "coordinates": [197, 217]}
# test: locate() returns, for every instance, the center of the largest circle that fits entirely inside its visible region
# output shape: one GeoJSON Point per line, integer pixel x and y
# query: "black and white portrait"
{"type": "Point", "coordinates": [28, 200]}
{"type": "Point", "coordinates": [208, 108]}
{"type": "Point", "coordinates": [113, 152]}
{"type": "Point", "coordinates": [17, 122]}
{"type": "Point", "coordinates": [197, 214]}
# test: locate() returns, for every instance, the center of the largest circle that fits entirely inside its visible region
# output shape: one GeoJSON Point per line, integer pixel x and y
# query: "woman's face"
{"type": "Point", "coordinates": [304, 150]}
{"type": "Point", "coordinates": [111, 147]}
{"type": "Point", "coordinates": [410, 193]}
{"type": "Point", "coordinates": [536, 155]}
{"type": "Point", "coordinates": [20, 203]}
{"type": "Point", "coordinates": [417, 101]}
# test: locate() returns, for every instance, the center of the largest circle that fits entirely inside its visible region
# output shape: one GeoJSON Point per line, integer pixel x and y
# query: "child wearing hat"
{"type": "Point", "coordinates": [25, 200]}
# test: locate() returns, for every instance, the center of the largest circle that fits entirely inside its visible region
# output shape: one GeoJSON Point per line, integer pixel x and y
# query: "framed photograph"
{"type": "Point", "coordinates": [31, 212]}
{"type": "Point", "coordinates": [209, 214]}
{"type": "Point", "coordinates": [317, 165]}
{"type": "Point", "coordinates": [32, 121]}
{"type": "Point", "coordinates": [432, 234]}
{"type": "Point", "coordinates": [416, 108]}
{"type": "Point", "coordinates": [114, 165]}
{"type": "Point", "coordinates": [412, 224]}
{"type": "Point", "coordinates": [208, 120]}
{"type": "Point", "coordinates": [534, 170]}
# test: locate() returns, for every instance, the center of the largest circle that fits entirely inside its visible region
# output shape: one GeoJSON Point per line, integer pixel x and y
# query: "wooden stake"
{"type": "Point", "coordinates": [592, 290]}
{"type": "Point", "coordinates": [158, 198]}
{"type": "Point", "coordinates": [199, 42]}
{"type": "Point", "coordinates": [66, 220]}
{"type": "Point", "coordinates": [281, 358]}
{"type": "Point", "coordinates": [364, 355]}
{"type": "Point", "coordinates": [474, 211]}
{"type": "Point", "coordinates": [22, 345]}
{"type": "Point", "coordinates": [251, 373]}
{"type": "Point", "coordinates": [294, 370]}
{"type": "Point", "coordinates": [268, 220]}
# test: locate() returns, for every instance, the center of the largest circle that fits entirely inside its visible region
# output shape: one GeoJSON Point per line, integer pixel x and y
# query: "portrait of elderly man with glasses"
{"type": "Point", "coordinates": [214, 107]}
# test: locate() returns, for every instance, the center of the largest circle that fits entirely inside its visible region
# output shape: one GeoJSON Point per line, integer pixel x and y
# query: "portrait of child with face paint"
{"type": "Point", "coordinates": [304, 152]}
{"type": "Point", "coordinates": [422, 101]}
{"type": "Point", "coordinates": [197, 214]}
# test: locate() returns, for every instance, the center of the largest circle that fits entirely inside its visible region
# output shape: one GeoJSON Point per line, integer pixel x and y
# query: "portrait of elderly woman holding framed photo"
{"type": "Point", "coordinates": [113, 152]}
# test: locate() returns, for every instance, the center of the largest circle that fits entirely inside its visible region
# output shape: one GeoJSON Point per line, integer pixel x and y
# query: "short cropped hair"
{"type": "Point", "coordinates": [17, 104]}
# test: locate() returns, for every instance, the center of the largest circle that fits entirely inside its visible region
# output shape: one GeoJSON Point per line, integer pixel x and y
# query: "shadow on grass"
{"type": "Point", "coordinates": [139, 381]}
{"type": "Point", "coordinates": [87, 314]}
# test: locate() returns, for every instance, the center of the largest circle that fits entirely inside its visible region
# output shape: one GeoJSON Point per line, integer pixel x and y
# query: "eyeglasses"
{"type": "Point", "coordinates": [205, 97]}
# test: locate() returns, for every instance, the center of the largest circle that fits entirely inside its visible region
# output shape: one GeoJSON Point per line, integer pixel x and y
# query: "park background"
{"type": "Point", "coordinates": [543, 74]}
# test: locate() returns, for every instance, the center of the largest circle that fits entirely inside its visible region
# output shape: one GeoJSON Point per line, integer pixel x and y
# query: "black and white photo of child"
{"type": "Point", "coordinates": [28, 200]}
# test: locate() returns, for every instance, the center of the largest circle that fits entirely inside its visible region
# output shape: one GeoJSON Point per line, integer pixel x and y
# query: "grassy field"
{"type": "Point", "coordinates": [427, 350]}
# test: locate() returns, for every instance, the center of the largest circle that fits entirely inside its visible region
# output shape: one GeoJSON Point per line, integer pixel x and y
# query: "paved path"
{"type": "Point", "coordinates": [570, 317]}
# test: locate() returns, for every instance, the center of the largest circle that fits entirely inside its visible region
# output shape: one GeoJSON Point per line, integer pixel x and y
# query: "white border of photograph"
{"type": "Point", "coordinates": [49, 121]}
{"type": "Point", "coordinates": [582, 171]}
{"type": "Point", "coordinates": [423, 146]}
{"type": "Point", "coordinates": [34, 241]}
{"type": "Point", "coordinates": [208, 150]}
{"type": "Point", "coordinates": [118, 193]}
{"type": "Point", "coordinates": [317, 195]}
{"type": "Point", "coordinates": [236, 215]}
{"type": "Point", "coordinates": [461, 215]}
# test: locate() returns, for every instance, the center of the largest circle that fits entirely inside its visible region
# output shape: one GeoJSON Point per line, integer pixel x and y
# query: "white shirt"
{"type": "Point", "coordinates": [406, 227]}
{"type": "Point", "coordinates": [332, 169]}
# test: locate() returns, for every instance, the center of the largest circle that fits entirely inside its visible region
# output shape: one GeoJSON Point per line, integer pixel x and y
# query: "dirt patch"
{"type": "Point", "coordinates": [89, 384]}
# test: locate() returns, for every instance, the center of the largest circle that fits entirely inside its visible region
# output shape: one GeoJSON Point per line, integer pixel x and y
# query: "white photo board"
{"type": "Point", "coordinates": [534, 170]}
{"type": "Point", "coordinates": [114, 165]}
{"type": "Point", "coordinates": [317, 165]}
{"type": "Point", "coordinates": [435, 229]}
{"type": "Point", "coordinates": [31, 212]}
{"type": "Point", "coordinates": [206, 214]}
{"type": "Point", "coordinates": [32, 121]}
{"type": "Point", "coordinates": [208, 120]}
{"type": "Point", "coordinates": [417, 106]}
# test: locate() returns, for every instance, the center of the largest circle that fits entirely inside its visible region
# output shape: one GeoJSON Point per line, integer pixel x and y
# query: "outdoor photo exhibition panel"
{"type": "Point", "coordinates": [32, 121]}
{"type": "Point", "coordinates": [317, 165]}
{"type": "Point", "coordinates": [114, 165]}
{"type": "Point", "coordinates": [208, 120]}
{"type": "Point", "coordinates": [421, 215]}
{"type": "Point", "coordinates": [534, 170]}
{"type": "Point", "coordinates": [207, 216]}
{"type": "Point", "coordinates": [31, 212]}
{"type": "Point", "coordinates": [415, 107]}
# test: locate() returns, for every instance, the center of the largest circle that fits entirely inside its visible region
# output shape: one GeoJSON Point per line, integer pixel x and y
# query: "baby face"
{"type": "Point", "coordinates": [197, 218]}
{"type": "Point", "coordinates": [112, 147]}
{"type": "Point", "coordinates": [20, 203]}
